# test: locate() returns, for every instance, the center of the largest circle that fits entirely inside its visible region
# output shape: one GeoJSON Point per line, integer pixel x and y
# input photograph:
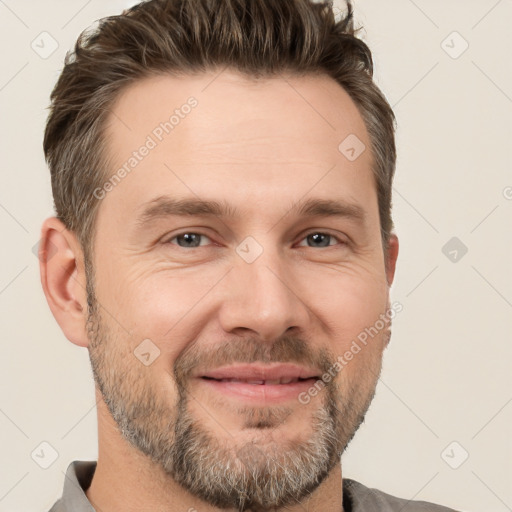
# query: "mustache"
{"type": "Point", "coordinates": [287, 349]}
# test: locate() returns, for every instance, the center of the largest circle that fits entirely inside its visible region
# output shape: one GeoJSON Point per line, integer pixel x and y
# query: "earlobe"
{"type": "Point", "coordinates": [391, 257]}
{"type": "Point", "coordinates": [63, 279]}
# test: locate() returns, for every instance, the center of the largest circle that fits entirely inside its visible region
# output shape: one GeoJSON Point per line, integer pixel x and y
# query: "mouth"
{"type": "Point", "coordinates": [267, 382]}
{"type": "Point", "coordinates": [260, 383]}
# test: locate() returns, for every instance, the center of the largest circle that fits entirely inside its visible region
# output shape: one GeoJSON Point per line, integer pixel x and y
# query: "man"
{"type": "Point", "coordinates": [222, 178]}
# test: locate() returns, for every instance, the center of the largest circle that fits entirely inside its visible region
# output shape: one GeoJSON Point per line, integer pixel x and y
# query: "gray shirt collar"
{"type": "Point", "coordinates": [356, 496]}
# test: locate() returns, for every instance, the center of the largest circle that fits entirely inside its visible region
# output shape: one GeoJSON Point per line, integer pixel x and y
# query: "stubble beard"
{"type": "Point", "coordinates": [260, 474]}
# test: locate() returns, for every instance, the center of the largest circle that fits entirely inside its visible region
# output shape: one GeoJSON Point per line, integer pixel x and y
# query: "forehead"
{"type": "Point", "coordinates": [198, 134]}
{"type": "Point", "coordinates": [229, 102]}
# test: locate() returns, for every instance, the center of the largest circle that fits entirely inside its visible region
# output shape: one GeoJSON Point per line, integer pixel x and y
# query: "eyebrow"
{"type": "Point", "coordinates": [165, 206]}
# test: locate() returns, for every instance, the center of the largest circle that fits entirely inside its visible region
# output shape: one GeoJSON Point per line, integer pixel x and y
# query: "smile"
{"type": "Point", "coordinates": [268, 382]}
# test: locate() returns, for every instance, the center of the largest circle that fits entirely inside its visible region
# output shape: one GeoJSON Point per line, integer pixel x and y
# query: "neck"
{"type": "Point", "coordinates": [127, 481]}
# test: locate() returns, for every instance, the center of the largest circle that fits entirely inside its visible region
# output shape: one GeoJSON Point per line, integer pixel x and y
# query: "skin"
{"type": "Point", "coordinates": [261, 147]}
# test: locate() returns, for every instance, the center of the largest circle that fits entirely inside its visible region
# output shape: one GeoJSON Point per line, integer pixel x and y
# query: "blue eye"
{"type": "Point", "coordinates": [190, 239]}
{"type": "Point", "coordinates": [323, 239]}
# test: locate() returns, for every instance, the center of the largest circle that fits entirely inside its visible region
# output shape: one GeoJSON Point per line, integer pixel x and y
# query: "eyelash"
{"type": "Point", "coordinates": [341, 242]}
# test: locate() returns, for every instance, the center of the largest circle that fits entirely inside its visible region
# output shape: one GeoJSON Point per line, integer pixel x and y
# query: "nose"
{"type": "Point", "coordinates": [261, 297]}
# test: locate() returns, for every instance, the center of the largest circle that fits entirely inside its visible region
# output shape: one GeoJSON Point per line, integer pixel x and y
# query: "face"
{"type": "Point", "coordinates": [236, 262]}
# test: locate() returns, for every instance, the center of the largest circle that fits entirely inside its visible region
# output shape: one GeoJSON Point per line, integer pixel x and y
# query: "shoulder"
{"type": "Point", "coordinates": [77, 480]}
{"type": "Point", "coordinates": [58, 506]}
{"type": "Point", "coordinates": [359, 498]}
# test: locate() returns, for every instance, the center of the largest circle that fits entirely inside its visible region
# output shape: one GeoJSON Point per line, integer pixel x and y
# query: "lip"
{"type": "Point", "coordinates": [274, 371]}
{"type": "Point", "coordinates": [260, 390]}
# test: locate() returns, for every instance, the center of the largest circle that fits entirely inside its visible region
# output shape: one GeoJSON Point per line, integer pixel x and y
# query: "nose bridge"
{"type": "Point", "coordinates": [259, 294]}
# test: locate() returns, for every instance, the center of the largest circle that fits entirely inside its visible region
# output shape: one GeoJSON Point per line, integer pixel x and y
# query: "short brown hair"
{"type": "Point", "coordinates": [259, 38]}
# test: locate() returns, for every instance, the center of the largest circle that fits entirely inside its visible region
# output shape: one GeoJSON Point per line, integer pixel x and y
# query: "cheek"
{"type": "Point", "coordinates": [353, 307]}
{"type": "Point", "coordinates": [348, 302]}
{"type": "Point", "coordinates": [162, 308]}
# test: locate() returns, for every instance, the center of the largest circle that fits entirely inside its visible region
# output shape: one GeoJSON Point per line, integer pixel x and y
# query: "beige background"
{"type": "Point", "coordinates": [446, 373]}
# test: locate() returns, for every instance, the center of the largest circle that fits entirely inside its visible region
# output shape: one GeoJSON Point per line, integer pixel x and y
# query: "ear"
{"type": "Point", "coordinates": [391, 257]}
{"type": "Point", "coordinates": [63, 279]}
